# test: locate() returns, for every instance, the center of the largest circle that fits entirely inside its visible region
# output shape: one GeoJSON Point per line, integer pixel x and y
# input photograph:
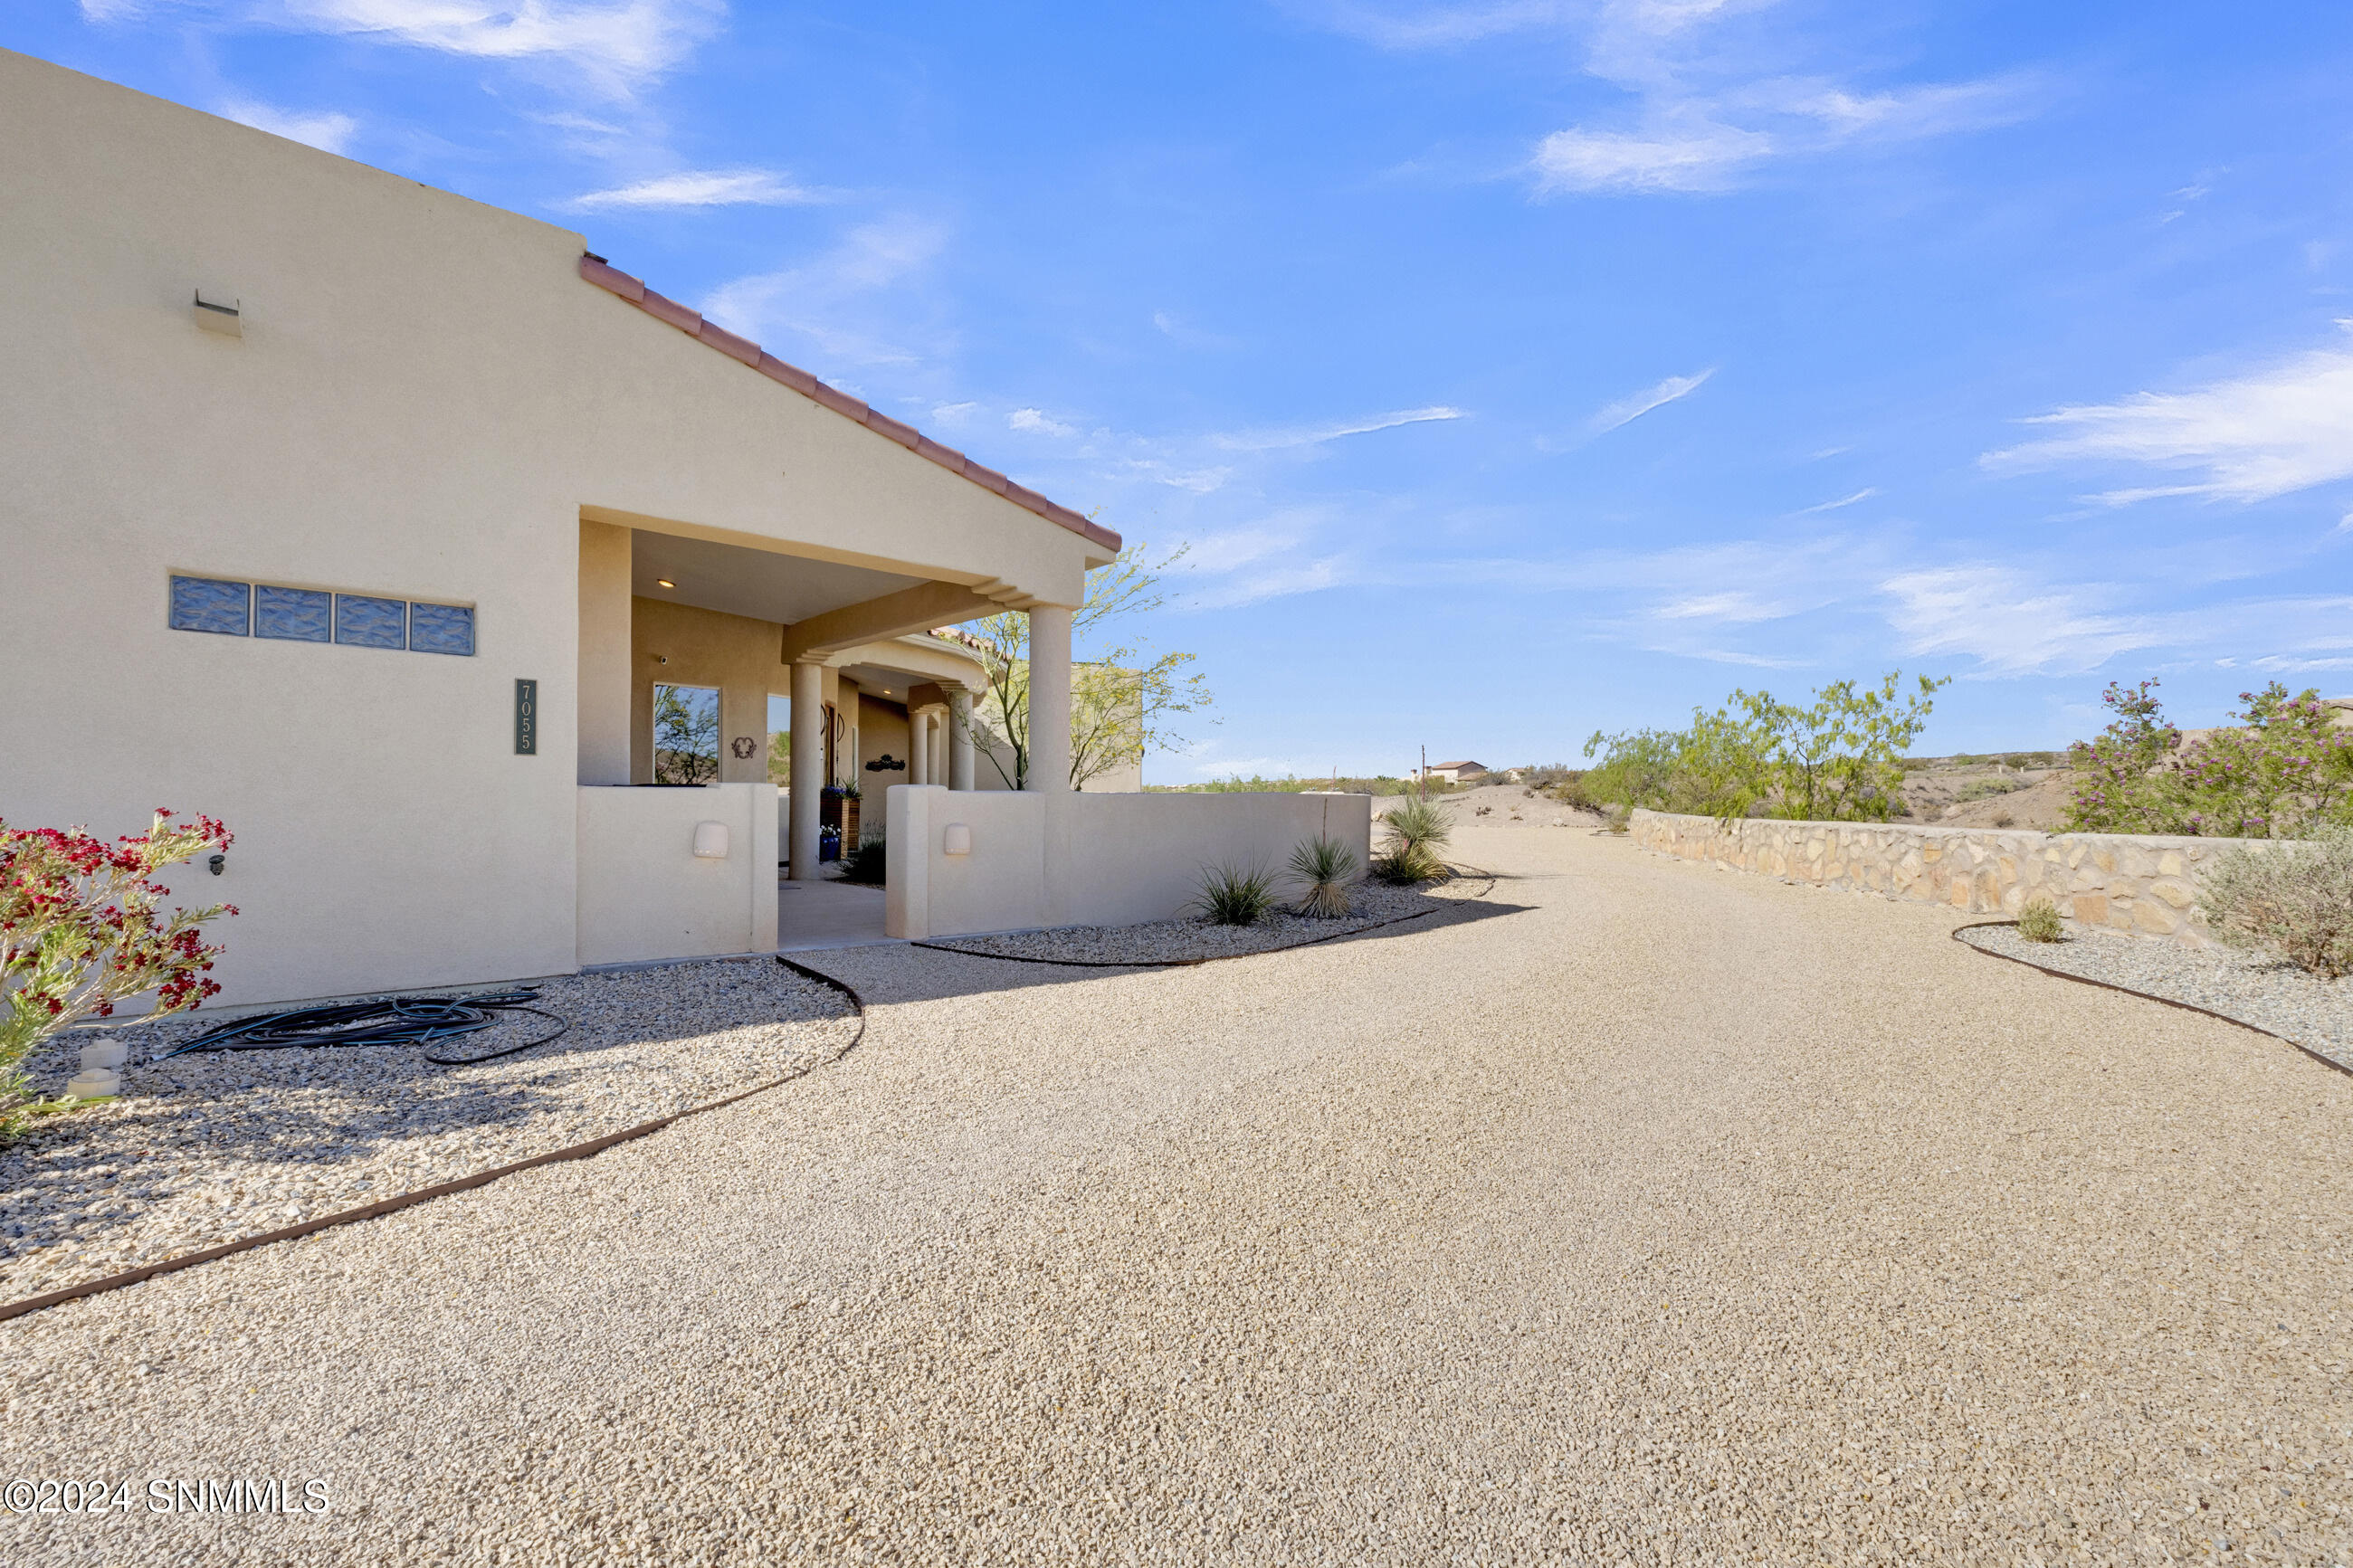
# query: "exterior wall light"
{"type": "Point", "coordinates": [218, 863]}
{"type": "Point", "coordinates": [957, 839]}
{"type": "Point", "coordinates": [711, 841]}
{"type": "Point", "coordinates": [219, 313]}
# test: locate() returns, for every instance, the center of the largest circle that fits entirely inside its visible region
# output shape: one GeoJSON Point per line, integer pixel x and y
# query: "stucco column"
{"type": "Point", "coordinates": [960, 755]}
{"type": "Point", "coordinates": [919, 747]}
{"type": "Point", "coordinates": [939, 757]}
{"type": "Point", "coordinates": [604, 672]}
{"type": "Point", "coordinates": [808, 766]}
{"type": "Point", "coordinates": [1049, 698]}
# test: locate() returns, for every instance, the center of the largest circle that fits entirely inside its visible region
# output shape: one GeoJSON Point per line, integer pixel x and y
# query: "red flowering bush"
{"type": "Point", "coordinates": [80, 931]}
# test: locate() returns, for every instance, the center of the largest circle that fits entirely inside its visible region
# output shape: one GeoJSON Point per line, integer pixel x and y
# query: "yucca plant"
{"type": "Point", "coordinates": [1325, 865]}
{"type": "Point", "coordinates": [1408, 864]}
{"type": "Point", "coordinates": [1419, 824]}
{"type": "Point", "coordinates": [1233, 897]}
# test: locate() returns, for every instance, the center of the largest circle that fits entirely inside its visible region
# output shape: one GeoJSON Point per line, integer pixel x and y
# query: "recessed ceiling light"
{"type": "Point", "coordinates": [664, 583]}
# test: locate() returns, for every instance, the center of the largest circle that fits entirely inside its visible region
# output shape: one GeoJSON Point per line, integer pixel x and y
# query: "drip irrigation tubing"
{"type": "Point", "coordinates": [2326, 1061]}
{"type": "Point", "coordinates": [1459, 873]}
{"type": "Point", "coordinates": [383, 1207]}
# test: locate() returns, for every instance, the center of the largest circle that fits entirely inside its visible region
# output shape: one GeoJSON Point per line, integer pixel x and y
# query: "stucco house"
{"type": "Point", "coordinates": [1456, 773]}
{"type": "Point", "coordinates": [380, 522]}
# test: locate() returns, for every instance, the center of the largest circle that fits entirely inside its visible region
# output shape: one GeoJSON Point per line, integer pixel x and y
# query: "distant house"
{"type": "Point", "coordinates": [1455, 772]}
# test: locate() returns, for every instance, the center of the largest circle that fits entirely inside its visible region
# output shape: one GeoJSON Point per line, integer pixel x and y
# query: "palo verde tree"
{"type": "Point", "coordinates": [1125, 699]}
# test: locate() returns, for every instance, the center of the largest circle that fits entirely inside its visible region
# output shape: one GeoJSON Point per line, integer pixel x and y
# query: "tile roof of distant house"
{"type": "Point", "coordinates": [596, 269]}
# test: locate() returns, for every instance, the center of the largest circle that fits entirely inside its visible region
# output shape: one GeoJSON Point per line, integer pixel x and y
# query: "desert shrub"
{"type": "Point", "coordinates": [2285, 769]}
{"type": "Point", "coordinates": [2038, 921]}
{"type": "Point", "coordinates": [1325, 865]}
{"type": "Point", "coordinates": [1407, 865]}
{"type": "Point", "coordinates": [1837, 760]}
{"type": "Point", "coordinates": [1233, 897]}
{"type": "Point", "coordinates": [1982, 789]}
{"type": "Point", "coordinates": [869, 864]}
{"type": "Point", "coordinates": [2294, 900]}
{"type": "Point", "coordinates": [80, 930]}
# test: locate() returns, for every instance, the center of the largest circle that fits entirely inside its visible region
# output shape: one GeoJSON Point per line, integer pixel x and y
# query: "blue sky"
{"type": "Point", "coordinates": [1513, 369]}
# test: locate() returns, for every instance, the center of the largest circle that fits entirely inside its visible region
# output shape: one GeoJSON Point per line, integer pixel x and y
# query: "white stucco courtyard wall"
{"type": "Point", "coordinates": [1054, 859]}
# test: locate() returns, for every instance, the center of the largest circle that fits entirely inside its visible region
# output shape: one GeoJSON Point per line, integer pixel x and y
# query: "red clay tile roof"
{"type": "Point", "coordinates": [691, 323]}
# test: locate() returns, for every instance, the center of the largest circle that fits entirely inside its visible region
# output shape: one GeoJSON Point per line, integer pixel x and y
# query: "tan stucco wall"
{"type": "Point", "coordinates": [644, 893]}
{"type": "Point", "coordinates": [1049, 860]}
{"type": "Point", "coordinates": [426, 402]}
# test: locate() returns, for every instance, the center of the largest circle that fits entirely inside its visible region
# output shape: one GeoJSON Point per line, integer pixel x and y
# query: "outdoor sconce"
{"type": "Point", "coordinates": [218, 863]}
{"type": "Point", "coordinates": [218, 313]}
{"type": "Point", "coordinates": [957, 839]}
{"type": "Point", "coordinates": [711, 841]}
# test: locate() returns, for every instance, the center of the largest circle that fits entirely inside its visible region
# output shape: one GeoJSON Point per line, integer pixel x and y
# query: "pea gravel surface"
{"type": "Point", "coordinates": [1191, 940]}
{"type": "Point", "coordinates": [2267, 993]}
{"type": "Point", "coordinates": [207, 1148]}
{"type": "Point", "coordinates": [1633, 1212]}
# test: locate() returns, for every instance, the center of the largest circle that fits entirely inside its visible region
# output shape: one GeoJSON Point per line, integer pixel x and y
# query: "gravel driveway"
{"type": "Point", "coordinates": [1641, 1214]}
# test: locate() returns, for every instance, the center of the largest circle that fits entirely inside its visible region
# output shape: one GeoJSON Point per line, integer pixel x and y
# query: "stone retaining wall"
{"type": "Point", "coordinates": [2146, 886]}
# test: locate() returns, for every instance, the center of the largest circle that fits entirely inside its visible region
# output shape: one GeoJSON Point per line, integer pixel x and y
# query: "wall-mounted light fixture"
{"type": "Point", "coordinates": [218, 863]}
{"type": "Point", "coordinates": [216, 312]}
{"type": "Point", "coordinates": [664, 583]}
{"type": "Point", "coordinates": [711, 841]}
{"type": "Point", "coordinates": [957, 839]}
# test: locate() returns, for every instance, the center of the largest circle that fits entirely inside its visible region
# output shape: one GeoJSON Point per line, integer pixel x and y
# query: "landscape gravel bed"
{"type": "Point", "coordinates": [1192, 939]}
{"type": "Point", "coordinates": [205, 1148]}
{"type": "Point", "coordinates": [2269, 994]}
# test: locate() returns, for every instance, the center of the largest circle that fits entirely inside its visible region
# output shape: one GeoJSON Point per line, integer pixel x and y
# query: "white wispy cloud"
{"type": "Point", "coordinates": [330, 132]}
{"type": "Point", "coordinates": [1034, 421]}
{"type": "Point", "coordinates": [2009, 622]}
{"type": "Point", "coordinates": [1309, 436]}
{"type": "Point", "coordinates": [615, 45]}
{"type": "Point", "coordinates": [860, 302]}
{"type": "Point", "coordinates": [1703, 158]}
{"type": "Point", "coordinates": [702, 188]}
{"type": "Point", "coordinates": [2283, 429]}
{"type": "Point", "coordinates": [1864, 494]}
{"type": "Point", "coordinates": [1628, 409]}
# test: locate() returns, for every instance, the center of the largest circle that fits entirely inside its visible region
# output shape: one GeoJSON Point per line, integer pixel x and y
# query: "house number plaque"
{"type": "Point", "coordinates": [526, 718]}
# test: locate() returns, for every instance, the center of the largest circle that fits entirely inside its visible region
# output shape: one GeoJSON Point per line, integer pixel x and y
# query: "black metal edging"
{"type": "Point", "coordinates": [1197, 962]}
{"type": "Point", "coordinates": [2144, 995]}
{"type": "Point", "coordinates": [383, 1207]}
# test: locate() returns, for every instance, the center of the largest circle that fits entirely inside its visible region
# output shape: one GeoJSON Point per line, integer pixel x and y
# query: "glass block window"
{"type": "Point", "coordinates": [364, 622]}
{"type": "Point", "coordinates": [206, 604]}
{"type": "Point", "coordinates": [298, 614]}
{"type": "Point", "coordinates": [441, 629]}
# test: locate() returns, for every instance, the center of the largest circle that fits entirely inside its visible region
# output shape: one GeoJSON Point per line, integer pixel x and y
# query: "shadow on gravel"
{"type": "Point", "coordinates": [906, 973]}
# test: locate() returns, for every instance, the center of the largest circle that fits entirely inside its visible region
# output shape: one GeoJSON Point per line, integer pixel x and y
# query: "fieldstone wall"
{"type": "Point", "coordinates": [2146, 886]}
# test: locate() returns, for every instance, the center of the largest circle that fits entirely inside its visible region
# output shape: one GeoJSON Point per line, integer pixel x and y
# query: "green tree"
{"type": "Point", "coordinates": [1838, 759]}
{"type": "Point", "coordinates": [1123, 701]}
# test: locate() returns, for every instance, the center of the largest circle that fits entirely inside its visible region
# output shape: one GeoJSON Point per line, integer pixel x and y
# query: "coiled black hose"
{"type": "Point", "coordinates": [394, 1021]}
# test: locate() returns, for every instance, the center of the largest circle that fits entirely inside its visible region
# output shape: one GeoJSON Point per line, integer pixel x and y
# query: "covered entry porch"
{"type": "Point", "coordinates": [689, 641]}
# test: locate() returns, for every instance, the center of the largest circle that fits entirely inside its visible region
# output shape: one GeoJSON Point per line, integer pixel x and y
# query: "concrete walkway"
{"type": "Point", "coordinates": [1641, 1213]}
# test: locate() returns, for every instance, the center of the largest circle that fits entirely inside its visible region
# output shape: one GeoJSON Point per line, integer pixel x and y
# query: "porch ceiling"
{"type": "Point", "coordinates": [758, 583]}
